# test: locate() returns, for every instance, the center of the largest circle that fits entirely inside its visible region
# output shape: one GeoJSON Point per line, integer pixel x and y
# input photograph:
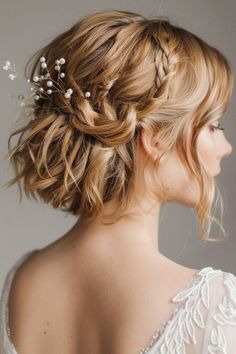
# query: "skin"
{"type": "Point", "coordinates": [212, 147]}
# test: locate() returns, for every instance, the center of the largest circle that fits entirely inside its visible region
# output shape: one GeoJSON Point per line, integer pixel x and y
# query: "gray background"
{"type": "Point", "coordinates": [27, 25]}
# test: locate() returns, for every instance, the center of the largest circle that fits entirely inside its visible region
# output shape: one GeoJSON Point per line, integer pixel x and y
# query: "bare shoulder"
{"type": "Point", "coordinates": [40, 296]}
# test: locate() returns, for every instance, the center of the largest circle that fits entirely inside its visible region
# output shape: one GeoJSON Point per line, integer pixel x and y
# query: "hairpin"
{"type": "Point", "coordinates": [38, 91]}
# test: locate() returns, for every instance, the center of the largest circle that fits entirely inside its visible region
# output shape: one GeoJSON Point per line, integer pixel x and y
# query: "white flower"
{"type": "Point", "coordinates": [12, 76]}
{"type": "Point", "coordinates": [7, 65]}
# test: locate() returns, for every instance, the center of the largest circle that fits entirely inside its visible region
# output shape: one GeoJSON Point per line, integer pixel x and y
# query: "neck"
{"type": "Point", "coordinates": [133, 233]}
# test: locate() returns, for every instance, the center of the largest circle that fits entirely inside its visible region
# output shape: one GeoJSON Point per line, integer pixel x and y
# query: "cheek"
{"type": "Point", "coordinates": [206, 150]}
{"type": "Point", "coordinates": [175, 181]}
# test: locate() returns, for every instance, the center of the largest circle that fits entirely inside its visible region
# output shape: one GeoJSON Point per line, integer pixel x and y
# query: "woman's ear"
{"type": "Point", "coordinates": [148, 141]}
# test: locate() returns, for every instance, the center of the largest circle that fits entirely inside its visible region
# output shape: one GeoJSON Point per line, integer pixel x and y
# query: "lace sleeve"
{"type": "Point", "coordinates": [5, 345]}
{"type": "Point", "coordinates": [220, 330]}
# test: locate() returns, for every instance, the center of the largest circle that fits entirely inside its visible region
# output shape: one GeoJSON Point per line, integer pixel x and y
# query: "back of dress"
{"type": "Point", "coordinates": [204, 321]}
{"type": "Point", "coordinates": [220, 332]}
{"type": "Point", "coordinates": [6, 346]}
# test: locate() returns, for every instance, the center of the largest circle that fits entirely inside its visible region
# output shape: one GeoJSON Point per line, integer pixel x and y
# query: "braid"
{"type": "Point", "coordinates": [165, 60]}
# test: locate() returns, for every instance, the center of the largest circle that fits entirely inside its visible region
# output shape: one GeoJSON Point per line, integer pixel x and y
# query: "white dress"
{"type": "Point", "coordinates": [204, 320]}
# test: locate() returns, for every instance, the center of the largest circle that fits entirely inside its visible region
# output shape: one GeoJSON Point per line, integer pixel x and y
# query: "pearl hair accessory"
{"type": "Point", "coordinates": [50, 82]}
{"type": "Point", "coordinates": [37, 81]}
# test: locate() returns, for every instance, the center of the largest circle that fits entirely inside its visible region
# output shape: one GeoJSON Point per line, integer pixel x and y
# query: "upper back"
{"type": "Point", "coordinates": [112, 309]}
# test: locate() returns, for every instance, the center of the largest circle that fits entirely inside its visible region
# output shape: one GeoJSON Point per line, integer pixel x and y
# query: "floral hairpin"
{"type": "Point", "coordinates": [37, 80]}
{"type": "Point", "coordinates": [50, 82]}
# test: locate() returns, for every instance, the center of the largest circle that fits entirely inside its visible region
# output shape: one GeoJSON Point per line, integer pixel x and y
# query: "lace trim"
{"type": "Point", "coordinates": [8, 287]}
{"type": "Point", "coordinates": [7, 327]}
{"type": "Point", "coordinates": [180, 328]}
{"type": "Point", "coordinates": [226, 315]}
{"type": "Point", "coordinates": [156, 336]}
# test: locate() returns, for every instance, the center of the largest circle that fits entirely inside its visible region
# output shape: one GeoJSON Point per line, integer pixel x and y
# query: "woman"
{"type": "Point", "coordinates": [133, 123]}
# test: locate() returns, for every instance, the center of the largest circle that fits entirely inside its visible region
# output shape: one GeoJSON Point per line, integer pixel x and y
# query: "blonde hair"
{"type": "Point", "coordinates": [142, 74]}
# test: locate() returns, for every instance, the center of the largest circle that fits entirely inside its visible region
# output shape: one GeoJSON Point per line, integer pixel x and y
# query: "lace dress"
{"type": "Point", "coordinates": [204, 320]}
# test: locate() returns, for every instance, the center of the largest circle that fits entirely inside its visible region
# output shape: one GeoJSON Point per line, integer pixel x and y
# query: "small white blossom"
{"type": "Point", "coordinates": [12, 76]}
{"type": "Point", "coordinates": [7, 65]}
